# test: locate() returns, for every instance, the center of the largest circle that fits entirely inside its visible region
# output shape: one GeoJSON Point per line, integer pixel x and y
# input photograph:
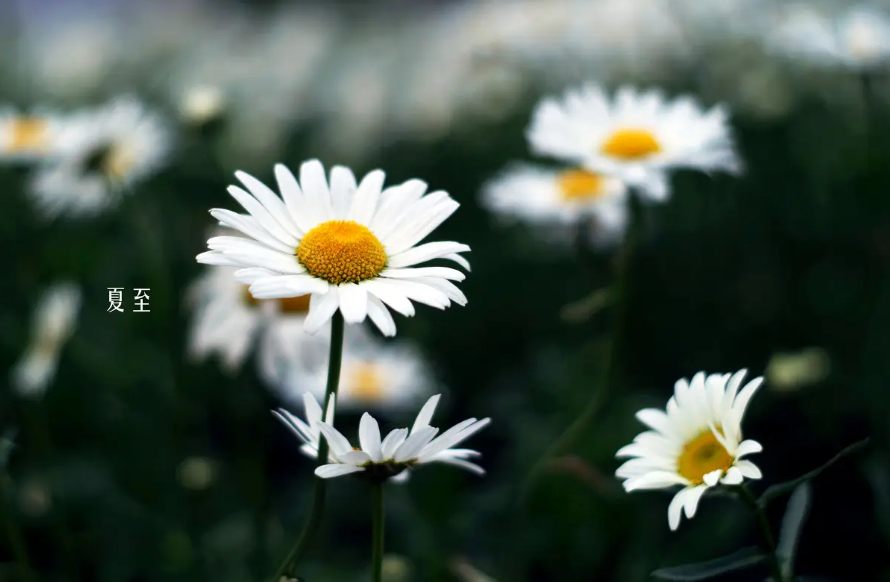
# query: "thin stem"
{"type": "Point", "coordinates": [377, 535]}
{"type": "Point", "coordinates": [763, 524]}
{"type": "Point", "coordinates": [302, 545]}
{"type": "Point", "coordinates": [13, 532]}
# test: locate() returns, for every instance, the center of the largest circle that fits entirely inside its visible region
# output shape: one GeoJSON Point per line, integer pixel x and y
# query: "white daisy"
{"type": "Point", "coordinates": [228, 321]}
{"type": "Point", "coordinates": [308, 431]}
{"type": "Point", "coordinates": [859, 38]}
{"type": "Point", "coordinates": [55, 320]}
{"type": "Point", "coordinates": [635, 137]}
{"type": "Point", "coordinates": [348, 245]}
{"type": "Point", "coordinates": [560, 198]}
{"type": "Point", "coordinates": [101, 152]}
{"type": "Point", "coordinates": [697, 443]}
{"type": "Point", "coordinates": [373, 374]}
{"type": "Point", "coordinates": [402, 449]}
{"type": "Point", "coordinates": [28, 136]}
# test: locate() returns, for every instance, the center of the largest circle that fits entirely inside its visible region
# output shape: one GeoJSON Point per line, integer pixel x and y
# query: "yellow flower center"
{"type": "Point", "coordinates": [366, 382]}
{"type": "Point", "coordinates": [580, 185]}
{"type": "Point", "coordinates": [291, 305]}
{"type": "Point", "coordinates": [28, 134]}
{"type": "Point", "coordinates": [702, 455]}
{"type": "Point", "coordinates": [117, 162]}
{"type": "Point", "coordinates": [342, 251]}
{"type": "Point", "coordinates": [631, 144]}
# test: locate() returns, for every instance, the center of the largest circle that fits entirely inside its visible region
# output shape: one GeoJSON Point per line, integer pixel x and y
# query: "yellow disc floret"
{"type": "Point", "coordinates": [28, 134]}
{"type": "Point", "coordinates": [631, 144]}
{"type": "Point", "coordinates": [580, 185]}
{"type": "Point", "coordinates": [342, 251]}
{"type": "Point", "coordinates": [702, 455]}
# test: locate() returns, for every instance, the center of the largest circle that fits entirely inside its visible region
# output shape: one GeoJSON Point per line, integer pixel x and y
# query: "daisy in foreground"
{"type": "Point", "coordinates": [402, 449]}
{"type": "Point", "coordinates": [636, 137]}
{"type": "Point", "coordinates": [349, 245]}
{"type": "Point", "coordinates": [308, 431]}
{"type": "Point", "coordinates": [697, 443]}
{"type": "Point", "coordinates": [98, 154]}
{"type": "Point", "coordinates": [557, 199]}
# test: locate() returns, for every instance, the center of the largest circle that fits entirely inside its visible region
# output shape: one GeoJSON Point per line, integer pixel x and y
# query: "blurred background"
{"type": "Point", "coordinates": [143, 458]}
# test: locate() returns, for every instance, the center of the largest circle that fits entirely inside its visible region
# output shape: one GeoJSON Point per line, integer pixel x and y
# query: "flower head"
{"type": "Point", "coordinates": [29, 136]}
{"type": "Point", "coordinates": [402, 449]}
{"type": "Point", "coordinates": [97, 154]}
{"type": "Point", "coordinates": [637, 136]}
{"type": "Point", "coordinates": [697, 443]}
{"type": "Point", "coordinates": [351, 246]}
{"type": "Point", "coordinates": [560, 198]}
{"type": "Point", "coordinates": [55, 320]}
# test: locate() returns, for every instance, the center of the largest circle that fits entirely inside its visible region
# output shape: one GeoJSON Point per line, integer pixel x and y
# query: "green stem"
{"type": "Point", "coordinates": [763, 524]}
{"type": "Point", "coordinates": [377, 536]}
{"type": "Point", "coordinates": [299, 550]}
{"type": "Point", "coordinates": [597, 398]}
{"type": "Point", "coordinates": [13, 532]}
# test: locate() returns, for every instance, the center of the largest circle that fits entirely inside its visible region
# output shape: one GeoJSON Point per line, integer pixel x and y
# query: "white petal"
{"type": "Point", "coordinates": [426, 252]}
{"type": "Point", "coordinates": [713, 477]}
{"type": "Point", "coordinates": [392, 442]}
{"type": "Point", "coordinates": [389, 292]}
{"type": "Point", "coordinates": [690, 503]}
{"type": "Point", "coordinates": [339, 444]}
{"type": "Point", "coordinates": [288, 286]}
{"type": "Point", "coordinates": [426, 413]}
{"type": "Point", "coordinates": [270, 200]}
{"type": "Point", "coordinates": [369, 437]}
{"type": "Point", "coordinates": [381, 316]}
{"type": "Point", "coordinates": [343, 189]}
{"type": "Point", "coordinates": [414, 443]}
{"type": "Point", "coordinates": [315, 189]}
{"type": "Point", "coordinates": [733, 477]}
{"type": "Point", "coordinates": [353, 302]}
{"type": "Point", "coordinates": [336, 470]}
{"type": "Point", "coordinates": [456, 434]}
{"type": "Point", "coordinates": [312, 410]}
{"type": "Point", "coordinates": [357, 458]}
{"type": "Point", "coordinates": [749, 470]}
{"type": "Point", "coordinates": [654, 480]}
{"type": "Point", "coordinates": [262, 216]}
{"type": "Point", "coordinates": [296, 203]}
{"type": "Point", "coordinates": [321, 309]}
{"type": "Point", "coordinates": [676, 508]}
{"type": "Point", "coordinates": [747, 447]}
{"type": "Point", "coordinates": [414, 272]}
{"type": "Point", "coordinates": [656, 420]}
{"type": "Point", "coordinates": [471, 467]}
{"type": "Point", "coordinates": [364, 204]}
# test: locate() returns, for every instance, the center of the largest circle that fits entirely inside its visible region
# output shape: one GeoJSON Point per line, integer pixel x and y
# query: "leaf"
{"type": "Point", "coordinates": [792, 524]}
{"type": "Point", "coordinates": [788, 486]}
{"type": "Point", "coordinates": [744, 558]}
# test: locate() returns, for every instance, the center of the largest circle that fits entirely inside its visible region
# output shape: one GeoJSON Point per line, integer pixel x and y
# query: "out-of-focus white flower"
{"type": "Point", "coordinates": [637, 136]}
{"type": "Point", "coordinates": [794, 370]}
{"type": "Point", "coordinates": [697, 443]}
{"type": "Point", "coordinates": [560, 198]}
{"type": "Point", "coordinates": [402, 449]}
{"type": "Point", "coordinates": [229, 322]}
{"type": "Point", "coordinates": [55, 320]}
{"type": "Point", "coordinates": [858, 38]}
{"type": "Point", "coordinates": [100, 153]}
{"type": "Point", "coordinates": [31, 136]}
{"type": "Point", "coordinates": [387, 376]}
{"type": "Point", "coordinates": [351, 246]}
{"type": "Point", "coordinates": [201, 104]}
{"type": "Point", "coordinates": [308, 431]}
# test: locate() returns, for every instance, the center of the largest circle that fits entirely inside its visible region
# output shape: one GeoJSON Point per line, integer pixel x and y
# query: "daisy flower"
{"type": "Point", "coordinates": [230, 322]}
{"type": "Point", "coordinates": [373, 373]}
{"type": "Point", "coordinates": [859, 38]}
{"type": "Point", "coordinates": [100, 153]}
{"type": "Point", "coordinates": [28, 136]}
{"type": "Point", "coordinates": [559, 199]}
{"type": "Point", "coordinates": [351, 246]}
{"type": "Point", "coordinates": [637, 137]}
{"type": "Point", "coordinates": [308, 431]}
{"type": "Point", "coordinates": [55, 320]}
{"type": "Point", "coordinates": [402, 449]}
{"type": "Point", "coordinates": [697, 443]}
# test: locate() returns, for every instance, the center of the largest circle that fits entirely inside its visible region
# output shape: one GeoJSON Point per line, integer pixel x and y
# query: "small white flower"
{"type": "Point", "coordinates": [349, 245]}
{"type": "Point", "coordinates": [228, 321]}
{"type": "Point", "coordinates": [697, 443]}
{"type": "Point", "coordinates": [636, 137]}
{"type": "Point", "coordinates": [308, 431]}
{"type": "Point", "coordinates": [31, 136]}
{"type": "Point", "coordinates": [559, 199]}
{"type": "Point", "coordinates": [55, 320]}
{"type": "Point", "coordinates": [401, 449]}
{"type": "Point", "coordinates": [858, 39]}
{"type": "Point", "coordinates": [374, 374]}
{"type": "Point", "coordinates": [201, 104]}
{"type": "Point", "coordinates": [100, 153]}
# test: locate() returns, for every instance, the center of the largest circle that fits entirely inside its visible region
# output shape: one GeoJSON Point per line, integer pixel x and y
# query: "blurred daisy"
{"type": "Point", "coordinates": [230, 322]}
{"type": "Point", "coordinates": [859, 39]}
{"type": "Point", "coordinates": [560, 198]}
{"type": "Point", "coordinates": [101, 152]}
{"type": "Point", "coordinates": [697, 443]}
{"type": "Point", "coordinates": [308, 431]}
{"type": "Point", "coordinates": [28, 136]}
{"type": "Point", "coordinates": [55, 320]}
{"type": "Point", "coordinates": [635, 137]}
{"type": "Point", "coordinates": [402, 449]}
{"type": "Point", "coordinates": [374, 374]}
{"type": "Point", "coordinates": [350, 246]}
{"type": "Point", "coordinates": [201, 104]}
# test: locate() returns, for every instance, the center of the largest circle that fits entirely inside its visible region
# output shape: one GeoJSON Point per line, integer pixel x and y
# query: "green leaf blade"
{"type": "Point", "coordinates": [744, 558]}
